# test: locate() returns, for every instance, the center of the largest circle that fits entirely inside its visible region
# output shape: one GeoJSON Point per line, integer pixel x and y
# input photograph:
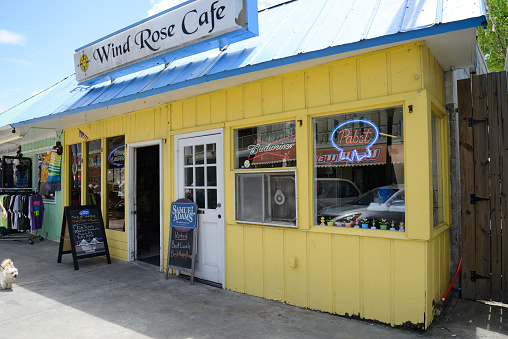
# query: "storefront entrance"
{"type": "Point", "coordinates": [200, 178]}
{"type": "Point", "coordinates": [145, 212]}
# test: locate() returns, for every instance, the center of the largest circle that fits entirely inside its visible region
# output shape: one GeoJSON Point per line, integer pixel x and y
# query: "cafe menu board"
{"type": "Point", "coordinates": [83, 234]}
{"type": "Point", "coordinates": [182, 237]}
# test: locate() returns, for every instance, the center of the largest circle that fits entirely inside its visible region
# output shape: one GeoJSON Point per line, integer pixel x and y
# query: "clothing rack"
{"type": "Point", "coordinates": [12, 234]}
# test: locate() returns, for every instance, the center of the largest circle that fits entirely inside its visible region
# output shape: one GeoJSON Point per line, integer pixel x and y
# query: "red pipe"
{"type": "Point", "coordinates": [453, 281]}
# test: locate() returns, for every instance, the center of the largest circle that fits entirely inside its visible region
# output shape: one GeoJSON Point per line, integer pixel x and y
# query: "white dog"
{"type": "Point", "coordinates": [9, 274]}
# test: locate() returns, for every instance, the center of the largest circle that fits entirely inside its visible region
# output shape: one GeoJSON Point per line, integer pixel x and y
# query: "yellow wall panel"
{"type": "Point", "coordinates": [272, 96]}
{"type": "Point", "coordinates": [373, 76]}
{"type": "Point", "coordinates": [320, 271]}
{"type": "Point", "coordinates": [417, 171]}
{"type": "Point", "coordinates": [344, 82]}
{"type": "Point", "coordinates": [294, 91]}
{"type": "Point", "coordinates": [408, 283]}
{"type": "Point", "coordinates": [203, 110]}
{"type": "Point", "coordinates": [189, 113]}
{"type": "Point", "coordinates": [253, 259]}
{"type": "Point", "coordinates": [318, 86]}
{"type": "Point", "coordinates": [405, 66]}
{"type": "Point", "coordinates": [234, 102]}
{"type": "Point", "coordinates": [375, 269]}
{"type": "Point", "coordinates": [252, 100]}
{"type": "Point", "coordinates": [273, 257]}
{"type": "Point", "coordinates": [176, 121]}
{"type": "Point", "coordinates": [235, 278]}
{"type": "Point", "coordinates": [295, 252]}
{"type": "Point", "coordinates": [346, 275]}
{"type": "Point", "coordinates": [218, 108]}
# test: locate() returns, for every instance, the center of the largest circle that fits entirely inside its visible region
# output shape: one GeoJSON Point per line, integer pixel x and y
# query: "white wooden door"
{"type": "Point", "coordinates": [200, 177]}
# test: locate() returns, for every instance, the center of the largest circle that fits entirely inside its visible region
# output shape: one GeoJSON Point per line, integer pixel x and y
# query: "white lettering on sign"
{"type": "Point", "coordinates": [183, 213]}
{"type": "Point", "coordinates": [185, 25]}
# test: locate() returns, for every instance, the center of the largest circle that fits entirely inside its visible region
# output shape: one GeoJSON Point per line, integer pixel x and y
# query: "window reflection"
{"type": "Point", "coordinates": [75, 156]}
{"type": "Point", "coordinates": [116, 183]}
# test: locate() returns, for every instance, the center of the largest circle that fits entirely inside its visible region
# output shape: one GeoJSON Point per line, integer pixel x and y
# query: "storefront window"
{"type": "Point", "coordinates": [359, 170]}
{"type": "Point", "coordinates": [16, 172]}
{"type": "Point", "coordinates": [437, 173]}
{"type": "Point", "coordinates": [42, 160]}
{"type": "Point", "coordinates": [116, 183]}
{"type": "Point", "coordinates": [75, 157]}
{"type": "Point", "coordinates": [266, 197]}
{"type": "Point", "coordinates": [94, 173]}
{"type": "Point", "coordinates": [266, 146]}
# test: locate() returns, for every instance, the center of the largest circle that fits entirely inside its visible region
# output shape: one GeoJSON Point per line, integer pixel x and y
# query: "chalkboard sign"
{"type": "Point", "coordinates": [182, 237]}
{"type": "Point", "coordinates": [83, 230]}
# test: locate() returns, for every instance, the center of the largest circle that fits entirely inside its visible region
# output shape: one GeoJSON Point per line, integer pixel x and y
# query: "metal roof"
{"type": "Point", "coordinates": [292, 34]}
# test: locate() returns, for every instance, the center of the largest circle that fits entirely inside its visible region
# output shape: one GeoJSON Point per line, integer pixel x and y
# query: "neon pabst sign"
{"type": "Point", "coordinates": [353, 137]}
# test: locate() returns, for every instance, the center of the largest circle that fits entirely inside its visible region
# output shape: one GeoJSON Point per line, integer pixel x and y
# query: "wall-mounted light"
{"type": "Point", "coordinates": [14, 130]}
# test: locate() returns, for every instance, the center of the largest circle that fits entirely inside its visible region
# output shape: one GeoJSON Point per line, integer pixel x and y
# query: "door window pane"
{"type": "Point", "coordinates": [200, 198]}
{"type": "Point", "coordinates": [211, 176]}
{"type": "Point", "coordinates": [212, 198]}
{"type": "Point", "coordinates": [200, 176]}
{"type": "Point", "coordinates": [189, 176]}
{"type": "Point", "coordinates": [211, 154]}
{"type": "Point", "coordinates": [200, 154]}
{"type": "Point", "coordinates": [188, 155]}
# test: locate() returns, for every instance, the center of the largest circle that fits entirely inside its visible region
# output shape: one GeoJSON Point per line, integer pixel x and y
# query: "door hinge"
{"type": "Point", "coordinates": [475, 276]}
{"type": "Point", "coordinates": [475, 199]}
{"type": "Point", "coordinates": [472, 121]}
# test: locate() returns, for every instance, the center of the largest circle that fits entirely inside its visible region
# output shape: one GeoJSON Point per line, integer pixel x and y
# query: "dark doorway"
{"type": "Point", "coordinates": [147, 205]}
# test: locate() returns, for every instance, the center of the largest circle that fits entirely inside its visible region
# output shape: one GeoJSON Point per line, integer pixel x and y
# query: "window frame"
{"type": "Point", "coordinates": [262, 172]}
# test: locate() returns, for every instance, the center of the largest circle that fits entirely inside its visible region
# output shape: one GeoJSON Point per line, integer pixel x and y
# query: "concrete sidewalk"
{"type": "Point", "coordinates": [125, 300]}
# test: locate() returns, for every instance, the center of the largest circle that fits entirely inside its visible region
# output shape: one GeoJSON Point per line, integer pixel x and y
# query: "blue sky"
{"type": "Point", "coordinates": [38, 38]}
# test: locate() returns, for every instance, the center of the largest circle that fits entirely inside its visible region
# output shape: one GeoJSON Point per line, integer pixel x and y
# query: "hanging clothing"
{"type": "Point", "coordinates": [36, 211]}
{"type": "Point", "coordinates": [44, 174]}
{"type": "Point", "coordinates": [53, 181]}
{"type": "Point", "coordinates": [21, 178]}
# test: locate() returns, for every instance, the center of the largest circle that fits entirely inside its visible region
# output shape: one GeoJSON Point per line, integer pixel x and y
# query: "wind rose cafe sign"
{"type": "Point", "coordinates": [190, 28]}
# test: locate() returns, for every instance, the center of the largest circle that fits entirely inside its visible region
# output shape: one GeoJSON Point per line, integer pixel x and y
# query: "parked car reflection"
{"type": "Point", "coordinates": [335, 191]}
{"type": "Point", "coordinates": [386, 202]}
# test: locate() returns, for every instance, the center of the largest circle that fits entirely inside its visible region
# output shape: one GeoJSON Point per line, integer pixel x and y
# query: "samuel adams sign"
{"type": "Point", "coordinates": [192, 27]}
{"type": "Point", "coordinates": [182, 237]}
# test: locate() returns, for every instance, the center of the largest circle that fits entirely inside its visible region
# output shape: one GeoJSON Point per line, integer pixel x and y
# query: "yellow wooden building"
{"type": "Point", "coordinates": [257, 144]}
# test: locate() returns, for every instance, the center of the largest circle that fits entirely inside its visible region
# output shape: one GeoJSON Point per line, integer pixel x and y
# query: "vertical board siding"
{"type": "Point", "coordinates": [294, 92]}
{"type": "Point", "coordinates": [346, 275]}
{"type": "Point", "coordinates": [373, 76]}
{"type": "Point", "coordinates": [234, 99]}
{"type": "Point", "coordinates": [320, 271]}
{"type": "Point", "coordinates": [295, 248]}
{"type": "Point", "coordinates": [343, 82]}
{"type": "Point", "coordinates": [235, 268]}
{"type": "Point", "coordinates": [272, 96]}
{"type": "Point", "coordinates": [408, 290]}
{"type": "Point", "coordinates": [273, 266]}
{"type": "Point", "coordinates": [253, 258]}
{"type": "Point", "coordinates": [375, 266]}
{"type": "Point", "coordinates": [252, 100]}
{"type": "Point", "coordinates": [318, 86]}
